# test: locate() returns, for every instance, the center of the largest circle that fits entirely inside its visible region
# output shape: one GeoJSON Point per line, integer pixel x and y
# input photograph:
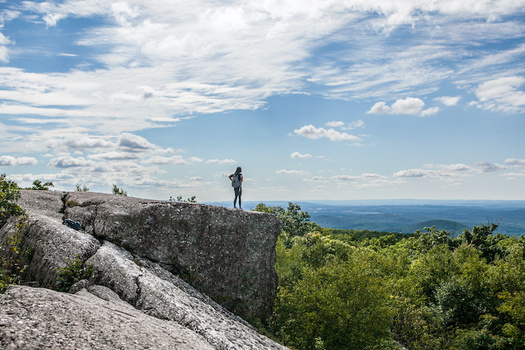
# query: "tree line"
{"type": "Point", "coordinates": [366, 290]}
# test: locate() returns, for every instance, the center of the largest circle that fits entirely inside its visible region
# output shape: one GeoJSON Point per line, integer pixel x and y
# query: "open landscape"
{"type": "Point", "coordinates": [407, 216]}
{"type": "Point", "coordinates": [376, 148]}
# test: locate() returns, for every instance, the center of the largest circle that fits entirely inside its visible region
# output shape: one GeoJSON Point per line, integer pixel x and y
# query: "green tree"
{"type": "Point", "coordinates": [192, 199]}
{"type": "Point", "coordinates": [428, 291]}
{"type": "Point", "coordinates": [39, 186]}
{"type": "Point", "coordinates": [295, 221]}
{"type": "Point", "coordinates": [73, 272]}
{"type": "Point", "coordinates": [13, 257]}
{"type": "Point", "coordinates": [9, 195]}
{"type": "Point", "coordinates": [79, 188]}
{"type": "Point", "coordinates": [337, 301]}
{"type": "Point", "coordinates": [118, 191]}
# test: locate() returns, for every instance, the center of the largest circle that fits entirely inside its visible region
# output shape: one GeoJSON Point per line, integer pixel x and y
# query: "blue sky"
{"type": "Point", "coordinates": [315, 100]}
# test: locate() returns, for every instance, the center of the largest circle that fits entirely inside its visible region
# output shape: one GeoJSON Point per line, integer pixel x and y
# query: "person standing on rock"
{"type": "Point", "coordinates": [236, 179]}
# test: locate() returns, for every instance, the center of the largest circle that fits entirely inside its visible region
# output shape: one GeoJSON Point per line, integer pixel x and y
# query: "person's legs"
{"type": "Point", "coordinates": [237, 195]}
{"type": "Point", "coordinates": [240, 194]}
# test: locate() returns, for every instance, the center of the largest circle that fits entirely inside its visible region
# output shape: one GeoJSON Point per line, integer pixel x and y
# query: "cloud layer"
{"type": "Point", "coordinates": [78, 101]}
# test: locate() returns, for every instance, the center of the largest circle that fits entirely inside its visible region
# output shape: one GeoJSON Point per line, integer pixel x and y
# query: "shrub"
{"type": "Point", "coordinates": [14, 258]}
{"type": "Point", "coordinates": [72, 203]}
{"type": "Point", "coordinates": [330, 296]}
{"type": "Point", "coordinates": [79, 188]}
{"type": "Point", "coordinates": [9, 194]}
{"type": "Point", "coordinates": [72, 273]}
{"type": "Point", "coordinates": [39, 186]}
{"type": "Point", "coordinates": [119, 191]}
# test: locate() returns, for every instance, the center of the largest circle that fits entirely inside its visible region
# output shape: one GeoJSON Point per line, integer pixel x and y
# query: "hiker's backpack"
{"type": "Point", "coordinates": [236, 180]}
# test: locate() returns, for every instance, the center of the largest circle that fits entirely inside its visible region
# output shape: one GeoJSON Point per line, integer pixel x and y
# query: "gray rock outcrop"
{"type": "Point", "coordinates": [226, 254]}
{"type": "Point", "coordinates": [38, 318]}
{"type": "Point", "coordinates": [138, 250]}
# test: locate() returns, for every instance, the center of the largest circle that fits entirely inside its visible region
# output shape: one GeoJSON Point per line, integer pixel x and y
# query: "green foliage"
{"type": "Point", "coordinates": [71, 203]}
{"type": "Point", "coordinates": [72, 273]}
{"type": "Point", "coordinates": [39, 186]}
{"type": "Point", "coordinates": [295, 221]}
{"type": "Point", "coordinates": [192, 199]}
{"type": "Point", "coordinates": [14, 262]}
{"type": "Point", "coordinates": [9, 195]}
{"type": "Point", "coordinates": [330, 296]}
{"type": "Point", "coordinates": [366, 236]}
{"type": "Point", "coordinates": [514, 306]}
{"type": "Point", "coordinates": [13, 258]}
{"type": "Point", "coordinates": [79, 188]}
{"type": "Point", "coordinates": [426, 291]}
{"type": "Point", "coordinates": [118, 191]}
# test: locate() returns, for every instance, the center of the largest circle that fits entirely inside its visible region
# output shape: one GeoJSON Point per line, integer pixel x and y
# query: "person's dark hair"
{"type": "Point", "coordinates": [238, 171]}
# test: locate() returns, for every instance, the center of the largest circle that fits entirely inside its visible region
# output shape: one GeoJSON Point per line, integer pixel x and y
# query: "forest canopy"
{"type": "Point", "coordinates": [348, 289]}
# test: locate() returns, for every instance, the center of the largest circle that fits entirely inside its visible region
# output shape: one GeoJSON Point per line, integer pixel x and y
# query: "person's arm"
{"type": "Point", "coordinates": [241, 178]}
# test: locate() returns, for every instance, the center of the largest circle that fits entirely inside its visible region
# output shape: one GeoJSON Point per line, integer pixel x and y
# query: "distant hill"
{"type": "Point", "coordinates": [453, 227]}
{"type": "Point", "coordinates": [410, 215]}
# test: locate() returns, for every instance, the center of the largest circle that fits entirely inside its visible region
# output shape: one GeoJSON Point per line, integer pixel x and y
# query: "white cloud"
{"type": "Point", "coordinates": [357, 124]}
{"type": "Point", "coordinates": [69, 162]}
{"type": "Point", "coordinates": [114, 155]}
{"type": "Point", "coordinates": [344, 178]}
{"type": "Point", "coordinates": [409, 105]}
{"type": "Point", "coordinates": [430, 111]}
{"type": "Point", "coordinates": [177, 159]}
{"type": "Point", "coordinates": [448, 100]}
{"type": "Point", "coordinates": [502, 94]}
{"type": "Point", "coordinates": [221, 161]}
{"type": "Point", "coordinates": [4, 52]}
{"type": "Point", "coordinates": [153, 64]}
{"type": "Point", "coordinates": [413, 173]}
{"type": "Point", "coordinates": [297, 155]}
{"type": "Point", "coordinates": [135, 143]}
{"type": "Point", "coordinates": [455, 167]}
{"type": "Point", "coordinates": [320, 179]}
{"type": "Point", "coordinates": [17, 161]}
{"type": "Point", "coordinates": [380, 108]}
{"type": "Point", "coordinates": [487, 167]}
{"type": "Point", "coordinates": [79, 143]}
{"type": "Point", "coordinates": [514, 175]}
{"type": "Point", "coordinates": [311, 132]}
{"type": "Point", "coordinates": [292, 172]}
{"type": "Point", "coordinates": [335, 124]}
{"type": "Point", "coordinates": [514, 161]}
{"type": "Point", "coordinates": [446, 171]}
{"type": "Point", "coordinates": [366, 176]}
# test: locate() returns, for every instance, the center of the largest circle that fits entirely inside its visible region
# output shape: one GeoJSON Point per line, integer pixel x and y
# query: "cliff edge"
{"type": "Point", "coordinates": [191, 266]}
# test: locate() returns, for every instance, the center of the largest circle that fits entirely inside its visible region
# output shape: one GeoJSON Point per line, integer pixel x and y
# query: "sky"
{"type": "Point", "coordinates": [315, 100]}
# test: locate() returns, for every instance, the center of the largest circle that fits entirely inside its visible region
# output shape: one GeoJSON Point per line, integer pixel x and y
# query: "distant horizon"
{"type": "Point", "coordinates": [399, 200]}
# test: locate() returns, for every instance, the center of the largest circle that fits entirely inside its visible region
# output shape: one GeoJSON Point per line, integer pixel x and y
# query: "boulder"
{"type": "Point", "coordinates": [227, 254]}
{"type": "Point", "coordinates": [45, 203]}
{"type": "Point", "coordinates": [166, 275]}
{"type": "Point", "coordinates": [50, 245]}
{"type": "Point", "coordinates": [165, 296]}
{"type": "Point", "coordinates": [38, 318]}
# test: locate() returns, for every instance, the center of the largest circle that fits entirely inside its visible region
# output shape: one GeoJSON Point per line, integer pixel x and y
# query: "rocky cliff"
{"type": "Point", "coordinates": [185, 271]}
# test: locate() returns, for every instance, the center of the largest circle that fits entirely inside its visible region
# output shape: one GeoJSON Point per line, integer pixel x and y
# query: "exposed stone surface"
{"type": "Point", "coordinates": [137, 249]}
{"type": "Point", "coordinates": [161, 294]}
{"type": "Point", "coordinates": [37, 318]}
{"type": "Point", "coordinates": [52, 244]}
{"type": "Point", "coordinates": [224, 253]}
{"type": "Point", "coordinates": [46, 203]}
